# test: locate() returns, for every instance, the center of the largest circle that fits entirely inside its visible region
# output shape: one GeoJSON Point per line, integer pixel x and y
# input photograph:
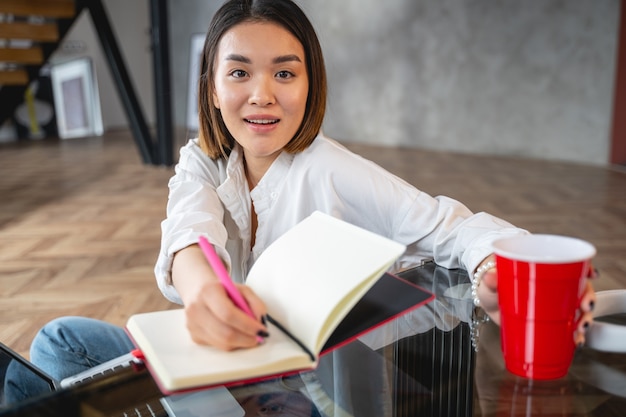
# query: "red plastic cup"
{"type": "Point", "coordinates": [541, 279]}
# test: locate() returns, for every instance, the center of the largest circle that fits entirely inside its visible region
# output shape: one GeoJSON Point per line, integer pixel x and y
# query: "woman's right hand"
{"type": "Point", "coordinates": [212, 317]}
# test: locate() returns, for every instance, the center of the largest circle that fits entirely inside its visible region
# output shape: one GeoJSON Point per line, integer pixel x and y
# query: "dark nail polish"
{"type": "Point", "coordinates": [263, 320]}
{"type": "Point", "coordinates": [592, 304]}
{"type": "Point", "coordinates": [262, 333]}
{"type": "Point", "coordinates": [586, 325]}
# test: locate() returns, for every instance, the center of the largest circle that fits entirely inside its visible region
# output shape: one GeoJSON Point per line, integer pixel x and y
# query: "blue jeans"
{"type": "Point", "coordinates": [65, 347]}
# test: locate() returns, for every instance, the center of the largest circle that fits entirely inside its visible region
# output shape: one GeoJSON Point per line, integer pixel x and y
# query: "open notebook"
{"type": "Point", "coordinates": [312, 280]}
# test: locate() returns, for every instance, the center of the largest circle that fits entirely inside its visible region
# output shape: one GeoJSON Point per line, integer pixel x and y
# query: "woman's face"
{"type": "Point", "coordinates": [261, 87]}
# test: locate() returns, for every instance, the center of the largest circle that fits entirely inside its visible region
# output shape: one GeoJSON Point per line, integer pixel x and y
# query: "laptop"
{"type": "Point", "coordinates": [118, 372]}
{"type": "Point", "coordinates": [13, 363]}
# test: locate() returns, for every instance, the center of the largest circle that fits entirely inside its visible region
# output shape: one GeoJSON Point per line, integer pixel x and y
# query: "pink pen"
{"type": "Point", "coordinates": [222, 274]}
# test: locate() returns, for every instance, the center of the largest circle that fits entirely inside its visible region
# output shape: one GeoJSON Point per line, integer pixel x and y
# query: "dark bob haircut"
{"type": "Point", "coordinates": [215, 139]}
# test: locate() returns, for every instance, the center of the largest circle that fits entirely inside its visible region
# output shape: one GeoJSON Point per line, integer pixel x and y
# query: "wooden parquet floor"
{"type": "Point", "coordinates": [80, 220]}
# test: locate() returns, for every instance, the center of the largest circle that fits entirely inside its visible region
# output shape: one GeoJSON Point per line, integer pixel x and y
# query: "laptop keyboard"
{"type": "Point", "coordinates": [100, 370]}
{"type": "Point", "coordinates": [96, 375]}
{"type": "Point", "coordinates": [151, 409]}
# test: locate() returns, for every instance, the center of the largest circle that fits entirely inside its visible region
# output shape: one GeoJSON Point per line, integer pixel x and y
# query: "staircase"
{"type": "Point", "coordinates": [31, 30]}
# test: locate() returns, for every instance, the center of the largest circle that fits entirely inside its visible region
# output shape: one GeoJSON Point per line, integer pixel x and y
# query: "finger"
{"type": "Point", "coordinates": [210, 330]}
{"type": "Point", "coordinates": [226, 312]}
{"type": "Point", "coordinates": [585, 313]}
{"type": "Point", "coordinates": [213, 319]}
{"type": "Point", "coordinates": [256, 304]}
{"type": "Point", "coordinates": [588, 299]}
{"type": "Point", "coordinates": [581, 328]}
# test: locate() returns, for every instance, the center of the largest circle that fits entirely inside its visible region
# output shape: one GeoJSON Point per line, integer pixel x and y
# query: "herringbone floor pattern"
{"type": "Point", "coordinates": [79, 220]}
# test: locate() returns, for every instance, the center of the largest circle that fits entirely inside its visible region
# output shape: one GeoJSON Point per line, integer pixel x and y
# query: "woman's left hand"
{"type": "Point", "coordinates": [488, 295]}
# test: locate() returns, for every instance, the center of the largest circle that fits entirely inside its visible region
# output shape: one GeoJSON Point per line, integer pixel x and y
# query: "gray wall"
{"type": "Point", "coordinates": [523, 78]}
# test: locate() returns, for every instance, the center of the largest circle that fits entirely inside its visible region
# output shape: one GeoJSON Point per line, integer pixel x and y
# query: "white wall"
{"type": "Point", "coordinates": [524, 78]}
{"type": "Point", "coordinates": [131, 23]}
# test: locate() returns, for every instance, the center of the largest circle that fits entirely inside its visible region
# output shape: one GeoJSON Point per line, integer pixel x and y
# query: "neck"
{"type": "Point", "coordinates": [255, 169]}
{"type": "Point", "coordinates": [253, 176]}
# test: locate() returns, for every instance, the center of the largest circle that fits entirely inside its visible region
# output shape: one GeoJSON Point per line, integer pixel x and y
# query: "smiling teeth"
{"type": "Point", "coordinates": [263, 121]}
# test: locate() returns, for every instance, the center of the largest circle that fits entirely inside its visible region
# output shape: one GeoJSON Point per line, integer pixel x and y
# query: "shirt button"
{"type": "Point", "coordinates": [274, 195]}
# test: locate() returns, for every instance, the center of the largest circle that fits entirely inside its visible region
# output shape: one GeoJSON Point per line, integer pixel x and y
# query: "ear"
{"type": "Point", "coordinates": [216, 102]}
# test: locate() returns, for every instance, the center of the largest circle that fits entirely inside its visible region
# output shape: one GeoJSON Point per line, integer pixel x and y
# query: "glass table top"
{"type": "Point", "coordinates": [438, 360]}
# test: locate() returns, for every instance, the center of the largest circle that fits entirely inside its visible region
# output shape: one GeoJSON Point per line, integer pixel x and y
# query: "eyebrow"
{"type": "Point", "coordinates": [278, 60]}
{"type": "Point", "coordinates": [287, 58]}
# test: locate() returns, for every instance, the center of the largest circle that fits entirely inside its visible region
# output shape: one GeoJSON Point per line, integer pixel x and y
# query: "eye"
{"type": "Point", "coordinates": [284, 75]}
{"type": "Point", "coordinates": [238, 73]}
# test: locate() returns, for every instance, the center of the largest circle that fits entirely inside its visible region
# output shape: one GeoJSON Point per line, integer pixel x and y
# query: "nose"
{"type": "Point", "coordinates": [262, 93]}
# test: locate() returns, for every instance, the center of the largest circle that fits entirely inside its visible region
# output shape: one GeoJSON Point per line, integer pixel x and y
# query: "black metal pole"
{"type": "Point", "coordinates": [162, 83]}
{"type": "Point", "coordinates": [137, 122]}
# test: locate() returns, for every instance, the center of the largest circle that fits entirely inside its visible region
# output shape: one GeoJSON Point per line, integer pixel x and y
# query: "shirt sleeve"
{"type": "Point", "coordinates": [440, 228]}
{"type": "Point", "coordinates": [455, 236]}
{"type": "Point", "coordinates": [193, 209]}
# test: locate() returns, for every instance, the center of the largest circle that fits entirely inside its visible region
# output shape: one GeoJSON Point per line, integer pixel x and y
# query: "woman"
{"type": "Point", "coordinates": [259, 166]}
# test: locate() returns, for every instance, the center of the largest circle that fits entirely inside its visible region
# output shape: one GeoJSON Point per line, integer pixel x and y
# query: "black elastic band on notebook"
{"type": "Point", "coordinates": [291, 336]}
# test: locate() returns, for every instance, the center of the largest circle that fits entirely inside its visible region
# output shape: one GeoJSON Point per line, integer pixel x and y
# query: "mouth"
{"type": "Point", "coordinates": [262, 121]}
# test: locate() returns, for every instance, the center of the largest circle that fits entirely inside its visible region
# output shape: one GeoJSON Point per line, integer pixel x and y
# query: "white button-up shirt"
{"type": "Point", "coordinates": [211, 198]}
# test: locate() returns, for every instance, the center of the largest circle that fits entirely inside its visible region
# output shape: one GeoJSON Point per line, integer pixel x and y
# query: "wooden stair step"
{"type": "Point", "coordinates": [13, 77]}
{"type": "Point", "coordinates": [30, 56]}
{"type": "Point", "coordinates": [46, 32]}
{"type": "Point", "coordinates": [46, 8]}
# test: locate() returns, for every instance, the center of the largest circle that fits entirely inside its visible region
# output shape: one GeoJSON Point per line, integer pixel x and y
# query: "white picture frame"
{"type": "Point", "coordinates": [195, 58]}
{"type": "Point", "coordinates": [76, 99]}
